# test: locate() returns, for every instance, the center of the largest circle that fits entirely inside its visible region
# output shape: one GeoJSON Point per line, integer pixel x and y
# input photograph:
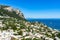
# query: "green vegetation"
{"type": "Point", "coordinates": [36, 39]}
{"type": "Point", "coordinates": [27, 39]}
{"type": "Point", "coordinates": [21, 26]}
{"type": "Point", "coordinates": [58, 35]}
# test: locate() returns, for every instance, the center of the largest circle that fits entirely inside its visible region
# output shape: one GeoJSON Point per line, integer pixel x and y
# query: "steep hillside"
{"type": "Point", "coordinates": [12, 21]}
{"type": "Point", "coordinates": [10, 12]}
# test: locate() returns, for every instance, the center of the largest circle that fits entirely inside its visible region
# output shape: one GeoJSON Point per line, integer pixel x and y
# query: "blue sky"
{"type": "Point", "coordinates": [36, 8]}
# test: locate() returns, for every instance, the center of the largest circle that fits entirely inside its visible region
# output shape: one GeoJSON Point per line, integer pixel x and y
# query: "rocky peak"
{"type": "Point", "coordinates": [10, 10]}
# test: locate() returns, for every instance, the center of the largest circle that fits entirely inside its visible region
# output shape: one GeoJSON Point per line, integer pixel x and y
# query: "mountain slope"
{"type": "Point", "coordinates": [9, 11]}
{"type": "Point", "coordinates": [13, 21]}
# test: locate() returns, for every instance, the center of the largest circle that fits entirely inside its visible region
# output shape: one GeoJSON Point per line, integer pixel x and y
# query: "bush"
{"type": "Point", "coordinates": [58, 35]}
{"type": "Point", "coordinates": [36, 39]}
{"type": "Point", "coordinates": [20, 33]}
{"type": "Point", "coordinates": [28, 39]}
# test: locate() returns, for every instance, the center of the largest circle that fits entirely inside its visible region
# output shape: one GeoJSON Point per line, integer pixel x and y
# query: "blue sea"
{"type": "Point", "coordinates": [53, 23]}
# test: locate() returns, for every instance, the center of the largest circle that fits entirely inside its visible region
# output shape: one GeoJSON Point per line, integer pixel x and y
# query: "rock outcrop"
{"type": "Point", "coordinates": [7, 10]}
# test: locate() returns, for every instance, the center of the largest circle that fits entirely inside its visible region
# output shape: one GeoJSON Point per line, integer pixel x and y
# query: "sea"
{"type": "Point", "coordinates": [53, 23]}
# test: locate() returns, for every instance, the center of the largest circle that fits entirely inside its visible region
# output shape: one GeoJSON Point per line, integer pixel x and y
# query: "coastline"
{"type": "Point", "coordinates": [49, 22]}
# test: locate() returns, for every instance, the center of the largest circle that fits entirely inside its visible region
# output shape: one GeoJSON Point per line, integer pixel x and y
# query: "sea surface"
{"type": "Point", "coordinates": [53, 23]}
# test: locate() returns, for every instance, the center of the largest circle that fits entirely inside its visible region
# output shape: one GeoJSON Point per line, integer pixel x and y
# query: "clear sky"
{"type": "Point", "coordinates": [36, 8]}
